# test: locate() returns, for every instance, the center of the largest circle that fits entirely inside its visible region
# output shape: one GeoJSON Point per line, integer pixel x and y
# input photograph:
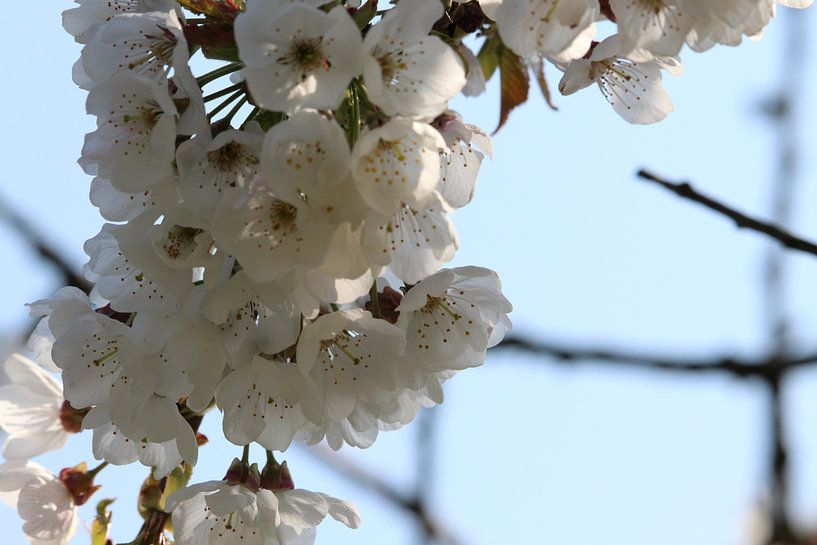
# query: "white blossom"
{"type": "Point", "coordinates": [111, 445]}
{"type": "Point", "coordinates": [210, 168]}
{"type": "Point", "coordinates": [252, 318]}
{"type": "Point", "coordinates": [306, 160]}
{"type": "Point", "coordinates": [351, 357]}
{"type": "Point", "coordinates": [136, 132]}
{"type": "Point", "coordinates": [301, 511]}
{"type": "Point", "coordinates": [460, 162]}
{"type": "Point", "coordinates": [659, 27]}
{"type": "Point", "coordinates": [119, 206]}
{"type": "Point", "coordinates": [632, 88]}
{"type": "Point", "coordinates": [415, 241]}
{"type": "Point", "coordinates": [296, 55]}
{"type": "Point", "coordinates": [44, 503]}
{"type": "Point", "coordinates": [128, 272]}
{"type": "Point", "coordinates": [91, 352]}
{"type": "Point", "coordinates": [547, 27]}
{"type": "Point", "coordinates": [260, 401]}
{"type": "Point", "coordinates": [397, 164]}
{"type": "Point", "coordinates": [407, 72]}
{"type": "Point", "coordinates": [219, 513]}
{"type": "Point", "coordinates": [270, 236]}
{"type": "Point", "coordinates": [146, 44]}
{"type": "Point", "coordinates": [453, 317]}
{"type": "Point", "coordinates": [83, 21]}
{"type": "Point", "coordinates": [30, 410]}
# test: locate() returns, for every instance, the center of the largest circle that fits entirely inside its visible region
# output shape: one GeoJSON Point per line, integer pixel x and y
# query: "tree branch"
{"type": "Point", "coordinates": [742, 221]}
{"type": "Point", "coordinates": [374, 484]}
{"type": "Point", "coordinates": [37, 243]}
{"type": "Point", "coordinates": [766, 369]}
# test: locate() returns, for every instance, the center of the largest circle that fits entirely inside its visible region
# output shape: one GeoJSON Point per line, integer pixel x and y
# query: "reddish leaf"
{"type": "Point", "coordinates": [215, 39]}
{"type": "Point", "coordinates": [513, 77]}
{"type": "Point", "coordinates": [226, 10]}
{"type": "Point", "coordinates": [537, 66]}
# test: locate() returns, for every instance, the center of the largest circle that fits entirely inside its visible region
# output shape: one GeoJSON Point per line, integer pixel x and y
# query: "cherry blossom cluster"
{"type": "Point", "coordinates": [279, 178]}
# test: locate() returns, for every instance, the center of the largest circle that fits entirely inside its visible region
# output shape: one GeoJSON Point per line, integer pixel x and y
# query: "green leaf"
{"type": "Point", "coordinates": [221, 52]}
{"type": "Point", "coordinates": [488, 55]}
{"type": "Point", "coordinates": [365, 13]}
{"type": "Point", "coordinates": [216, 40]}
{"type": "Point", "coordinates": [268, 119]}
{"type": "Point", "coordinates": [513, 77]}
{"type": "Point", "coordinates": [177, 480]}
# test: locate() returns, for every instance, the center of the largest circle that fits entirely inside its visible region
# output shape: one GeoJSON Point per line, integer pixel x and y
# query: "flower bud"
{"type": "Point", "coordinates": [79, 483]}
{"type": "Point", "coordinates": [276, 477]}
{"type": "Point", "coordinates": [71, 418]}
{"type": "Point", "coordinates": [237, 473]}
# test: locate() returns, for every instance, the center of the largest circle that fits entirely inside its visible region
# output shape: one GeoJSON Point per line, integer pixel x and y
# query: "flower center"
{"type": "Point", "coordinates": [159, 49]}
{"type": "Point", "coordinates": [392, 147]}
{"type": "Point", "coordinates": [226, 157]}
{"type": "Point", "coordinates": [148, 114]}
{"type": "Point", "coordinates": [180, 241]}
{"type": "Point", "coordinates": [390, 66]}
{"type": "Point", "coordinates": [306, 55]}
{"type": "Point", "coordinates": [433, 303]}
{"type": "Point", "coordinates": [282, 214]}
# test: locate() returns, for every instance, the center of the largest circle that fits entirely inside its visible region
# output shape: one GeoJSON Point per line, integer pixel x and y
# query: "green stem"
{"type": "Point", "coordinates": [375, 300]}
{"type": "Point", "coordinates": [354, 122]}
{"type": "Point", "coordinates": [231, 113]}
{"type": "Point", "coordinates": [225, 91]}
{"type": "Point", "coordinates": [218, 72]}
{"type": "Point", "coordinates": [152, 529]}
{"type": "Point", "coordinates": [250, 117]}
{"type": "Point", "coordinates": [245, 456]}
{"type": "Point", "coordinates": [226, 103]}
{"type": "Point", "coordinates": [271, 458]}
{"type": "Point", "coordinates": [97, 469]}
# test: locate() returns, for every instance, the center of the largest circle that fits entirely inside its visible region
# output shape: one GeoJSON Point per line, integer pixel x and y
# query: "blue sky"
{"type": "Point", "coordinates": [531, 453]}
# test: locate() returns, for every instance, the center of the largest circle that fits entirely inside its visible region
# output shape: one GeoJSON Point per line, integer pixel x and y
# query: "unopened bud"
{"type": "Point", "coordinates": [253, 481]}
{"type": "Point", "coordinates": [150, 497]}
{"type": "Point", "coordinates": [237, 473]}
{"type": "Point", "coordinates": [277, 477]}
{"type": "Point", "coordinates": [79, 482]}
{"type": "Point", "coordinates": [71, 418]}
{"type": "Point", "coordinates": [386, 306]}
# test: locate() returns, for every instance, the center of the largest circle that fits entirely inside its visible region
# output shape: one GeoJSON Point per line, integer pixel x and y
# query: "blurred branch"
{"type": "Point", "coordinates": [29, 234]}
{"type": "Point", "coordinates": [783, 109]}
{"type": "Point", "coordinates": [412, 505]}
{"type": "Point", "coordinates": [426, 452]}
{"type": "Point", "coordinates": [767, 369]}
{"type": "Point", "coordinates": [742, 221]}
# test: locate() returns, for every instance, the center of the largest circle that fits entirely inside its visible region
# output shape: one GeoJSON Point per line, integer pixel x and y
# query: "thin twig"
{"type": "Point", "coordinates": [426, 453]}
{"type": "Point", "coordinates": [45, 250]}
{"type": "Point", "coordinates": [686, 191]}
{"type": "Point", "coordinates": [729, 365]}
{"type": "Point", "coordinates": [378, 486]}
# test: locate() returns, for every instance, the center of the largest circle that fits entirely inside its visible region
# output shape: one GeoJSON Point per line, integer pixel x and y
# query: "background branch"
{"type": "Point", "coordinates": [370, 482]}
{"type": "Point", "coordinates": [765, 368]}
{"type": "Point", "coordinates": [17, 223]}
{"type": "Point", "coordinates": [742, 221]}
